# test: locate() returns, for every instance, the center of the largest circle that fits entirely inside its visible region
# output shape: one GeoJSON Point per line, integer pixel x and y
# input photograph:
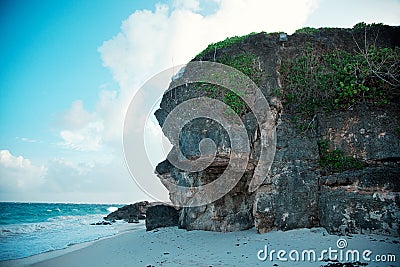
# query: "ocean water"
{"type": "Point", "coordinates": [27, 229]}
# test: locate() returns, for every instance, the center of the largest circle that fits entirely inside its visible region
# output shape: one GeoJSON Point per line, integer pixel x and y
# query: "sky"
{"type": "Point", "coordinates": [69, 70]}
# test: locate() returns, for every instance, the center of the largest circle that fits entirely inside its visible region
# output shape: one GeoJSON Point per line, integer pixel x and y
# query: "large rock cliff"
{"type": "Point", "coordinates": [334, 167]}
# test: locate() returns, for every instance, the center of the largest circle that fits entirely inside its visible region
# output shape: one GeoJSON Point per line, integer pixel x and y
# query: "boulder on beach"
{"type": "Point", "coordinates": [161, 215]}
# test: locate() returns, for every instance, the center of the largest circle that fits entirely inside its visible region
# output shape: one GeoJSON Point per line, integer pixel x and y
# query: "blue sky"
{"type": "Point", "coordinates": [49, 59]}
{"type": "Point", "coordinates": [69, 69]}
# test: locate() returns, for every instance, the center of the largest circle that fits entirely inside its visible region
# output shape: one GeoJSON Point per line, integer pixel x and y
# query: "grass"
{"type": "Point", "coordinates": [222, 44]}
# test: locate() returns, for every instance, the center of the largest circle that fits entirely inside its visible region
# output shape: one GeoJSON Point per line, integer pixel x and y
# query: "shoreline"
{"type": "Point", "coordinates": [177, 247]}
{"type": "Point", "coordinates": [37, 258]}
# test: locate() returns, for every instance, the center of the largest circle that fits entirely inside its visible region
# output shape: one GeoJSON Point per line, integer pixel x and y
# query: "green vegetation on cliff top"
{"type": "Point", "coordinates": [222, 44]}
{"type": "Point", "coordinates": [338, 79]}
{"type": "Point", "coordinates": [319, 79]}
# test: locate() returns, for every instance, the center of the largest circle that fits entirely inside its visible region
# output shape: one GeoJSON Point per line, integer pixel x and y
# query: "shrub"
{"type": "Point", "coordinates": [338, 79]}
{"type": "Point", "coordinates": [307, 30]}
{"type": "Point", "coordinates": [248, 64]}
{"type": "Point", "coordinates": [334, 160]}
{"type": "Point", "coordinates": [363, 26]}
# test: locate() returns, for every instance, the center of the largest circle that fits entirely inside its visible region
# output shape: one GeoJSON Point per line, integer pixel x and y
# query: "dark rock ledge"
{"type": "Point", "coordinates": [131, 213]}
{"type": "Point", "coordinates": [156, 214]}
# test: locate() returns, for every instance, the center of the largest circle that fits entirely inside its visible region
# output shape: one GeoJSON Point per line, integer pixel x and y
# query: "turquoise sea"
{"type": "Point", "coordinates": [27, 229]}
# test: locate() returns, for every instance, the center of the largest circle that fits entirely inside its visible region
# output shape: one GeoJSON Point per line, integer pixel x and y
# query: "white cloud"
{"type": "Point", "coordinates": [76, 117]}
{"type": "Point", "coordinates": [65, 180]}
{"type": "Point", "coordinates": [87, 138]}
{"type": "Point", "coordinates": [64, 176]}
{"type": "Point", "coordinates": [80, 129]}
{"type": "Point", "coordinates": [28, 140]}
{"type": "Point", "coordinates": [192, 5]}
{"type": "Point", "coordinates": [18, 173]}
{"type": "Point", "coordinates": [352, 12]}
{"type": "Point", "coordinates": [156, 144]}
{"type": "Point", "coordinates": [111, 109]}
{"type": "Point", "coordinates": [100, 181]}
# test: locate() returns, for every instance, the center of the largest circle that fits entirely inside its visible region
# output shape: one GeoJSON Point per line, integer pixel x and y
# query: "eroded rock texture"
{"type": "Point", "coordinates": [289, 198]}
{"type": "Point", "coordinates": [366, 200]}
{"type": "Point", "coordinates": [297, 192]}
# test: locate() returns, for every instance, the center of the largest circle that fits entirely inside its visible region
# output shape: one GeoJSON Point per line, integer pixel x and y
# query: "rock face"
{"type": "Point", "coordinates": [297, 192]}
{"type": "Point", "coordinates": [289, 198]}
{"type": "Point", "coordinates": [161, 215]}
{"type": "Point", "coordinates": [131, 213]}
{"type": "Point", "coordinates": [357, 206]}
{"type": "Point", "coordinates": [366, 200]}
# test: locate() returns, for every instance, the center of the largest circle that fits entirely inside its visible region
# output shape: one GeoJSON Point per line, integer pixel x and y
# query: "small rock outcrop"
{"type": "Point", "coordinates": [130, 213]}
{"type": "Point", "coordinates": [161, 215]}
{"type": "Point", "coordinates": [101, 223]}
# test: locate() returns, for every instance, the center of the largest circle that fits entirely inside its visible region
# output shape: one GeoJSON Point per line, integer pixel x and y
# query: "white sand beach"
{"type": "Point", "coordinates": [177, 247]}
